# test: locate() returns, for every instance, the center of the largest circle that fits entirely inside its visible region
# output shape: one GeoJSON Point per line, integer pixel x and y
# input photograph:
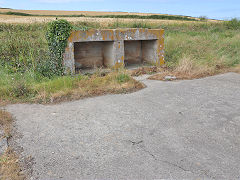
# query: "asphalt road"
{"type": "Point", "coordinates": [169, 130]}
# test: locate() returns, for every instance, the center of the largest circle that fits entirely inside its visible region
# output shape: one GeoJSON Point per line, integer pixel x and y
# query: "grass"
{"type": "Point", "coordinates": [27, 87]}
{"type": "Point", "coordinates": [202, 50]}
{"type": "Point", "coordinates": [71, 88]}
{"type": "Point", "coordinates": [9, 165]}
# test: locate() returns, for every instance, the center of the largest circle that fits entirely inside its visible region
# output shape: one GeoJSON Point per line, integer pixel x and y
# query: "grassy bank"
{"type": "Point", "coordinates": [28, 87]}
{"type": "Point", "coordinates": [198, 48]}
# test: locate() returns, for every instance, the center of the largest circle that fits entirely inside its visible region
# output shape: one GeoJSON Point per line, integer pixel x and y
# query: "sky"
{"type": "Point", "coordinates": [214, 9]}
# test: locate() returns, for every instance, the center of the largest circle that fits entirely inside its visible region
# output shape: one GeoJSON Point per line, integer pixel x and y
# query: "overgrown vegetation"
{"type": "Point", "coordinates": [202, 47]}
{"type": "Point", "coordinates": [57, 34]}
{"type": "Point", "coordinates": [27, 87]}
{"type": "Point", "coordinates": [234, 24]}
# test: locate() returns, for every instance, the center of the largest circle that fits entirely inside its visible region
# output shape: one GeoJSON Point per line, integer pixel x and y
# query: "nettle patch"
{"type": "Point", "coordinates": [57, 35]}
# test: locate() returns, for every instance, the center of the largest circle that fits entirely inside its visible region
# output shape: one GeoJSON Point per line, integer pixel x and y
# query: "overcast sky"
{"type": "Point", "coordinates": [218, 9]}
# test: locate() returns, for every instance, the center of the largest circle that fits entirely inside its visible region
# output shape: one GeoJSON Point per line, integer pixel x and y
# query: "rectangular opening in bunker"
{"type": "Point", "coordinates": [88, 55]}
{"type": "Point", "coordinates": [137, 52]}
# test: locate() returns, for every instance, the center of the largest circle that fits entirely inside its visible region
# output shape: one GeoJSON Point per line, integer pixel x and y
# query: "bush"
{"type": "Point", "coordinates": [57, 34]}
{"type": "Point", "coordinates": [233, 24]}
{"type": "Point", "coordinates": [203, 18]}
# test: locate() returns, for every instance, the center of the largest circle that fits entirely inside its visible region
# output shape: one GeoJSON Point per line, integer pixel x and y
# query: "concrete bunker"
{"type": "Point", "coordinates": [113, 48]}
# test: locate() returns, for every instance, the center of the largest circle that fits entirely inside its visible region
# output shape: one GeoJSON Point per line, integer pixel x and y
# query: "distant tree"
{"type": "Point", "coordinates": [203, 18]}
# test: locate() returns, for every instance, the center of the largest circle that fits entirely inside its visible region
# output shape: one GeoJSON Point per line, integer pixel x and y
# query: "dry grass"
{"type": "Point", "coordinates": [6, 123]}
{"type": "Point", "coordinates": [9, 166]}
{"type": "Point", "coordinates": [95, 85]}
{"type": "Point", "coordinates": [145, 70]}
{"type": "Point", "coordinates": [188, 69]}
{"type": "Point", "coordinates": [236, 69]}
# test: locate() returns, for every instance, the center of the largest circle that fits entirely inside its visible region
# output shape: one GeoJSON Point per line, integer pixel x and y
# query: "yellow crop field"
{"type": "Point", "coordinates": [87, 13]}
{"type": "Point", "coordinates": [33, 19]}
{"type": "Point", "coordinates": [42, 16]}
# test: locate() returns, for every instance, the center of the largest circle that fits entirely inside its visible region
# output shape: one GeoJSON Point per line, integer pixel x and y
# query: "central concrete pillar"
{"type": "Point", "coordinates": [118, 51]}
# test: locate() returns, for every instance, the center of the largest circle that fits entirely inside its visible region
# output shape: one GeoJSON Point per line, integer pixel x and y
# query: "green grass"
{"type": "Point", "coordinates": [209, 45]}
{"type": "Point", "coordinates": [32, 87]}
{"type": "Point", "coordinates": [121, 78]}
{"type": "Point", "coordinates": [24, 49]}
{"type": "Point", "coordinates": [27, 14]}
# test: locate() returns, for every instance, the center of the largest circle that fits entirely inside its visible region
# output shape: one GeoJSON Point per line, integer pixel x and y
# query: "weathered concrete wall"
{"type": "Point", "coordinates": [132, 52]}
{"type": "Point", "coordinates": [114, 47]}
{"type": "Point", "coordinates": [108, 54]}
{"type": "Point", "coordinates": [93, 54]}
{"type": "Point", "coordinates": [149, 50]}
{"type": "Point", "coordinates": [88, 54]}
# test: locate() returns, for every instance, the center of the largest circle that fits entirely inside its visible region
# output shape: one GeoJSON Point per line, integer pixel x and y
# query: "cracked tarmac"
{"type": "Point", "coordinates": [169, 130]}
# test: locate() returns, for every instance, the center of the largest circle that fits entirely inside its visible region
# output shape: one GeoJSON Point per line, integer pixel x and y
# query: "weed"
{"type": "Point", "coordinates": [122, 78]}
